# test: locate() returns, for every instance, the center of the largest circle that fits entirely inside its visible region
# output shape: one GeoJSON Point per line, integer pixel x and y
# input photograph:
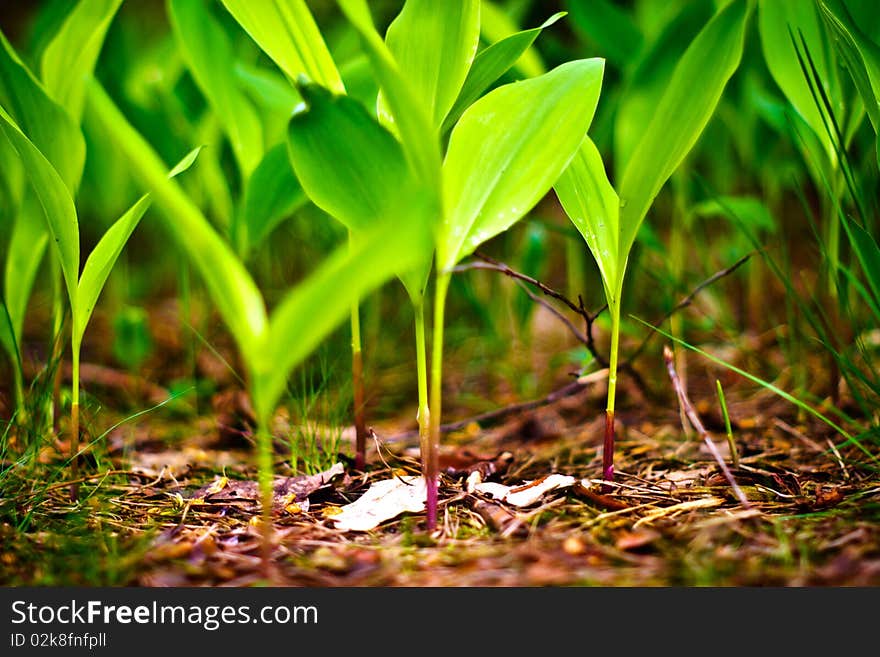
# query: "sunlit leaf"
{"type": "Point", "coordinates": [684, 110]}
{"type": "Point", "coordinates": [287, 32]}
{"type": "Point", "coordinates": [591, 203]}
{"type": "Point", "coordinates": [69, 59]}
{"type": "Point", "coordinates": [508, 149]}
{"type": "Point", "coordinates": [496, 24]}
{"type": "Point", "coordinates": [434, 44]}
{"type": "Point", "coordinates": [47, 125]}
{"type": "Point", "coordinates": [490, 64]}
{"type": "Point", "coordinates": [210, 58]}
{"type": "Point", "coordinates": [54, 198]}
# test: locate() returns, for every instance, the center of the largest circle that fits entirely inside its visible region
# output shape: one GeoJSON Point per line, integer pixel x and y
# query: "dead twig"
{"type": "Point", "coordinates": [697, 424]}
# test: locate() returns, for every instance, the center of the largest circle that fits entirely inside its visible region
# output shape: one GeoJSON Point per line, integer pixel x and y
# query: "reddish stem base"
{"type": "Point", "coordinates": [608, 451]}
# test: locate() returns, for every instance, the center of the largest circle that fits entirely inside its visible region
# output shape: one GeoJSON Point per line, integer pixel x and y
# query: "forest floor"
{"type": "Point", "coordinates": [171, 503]}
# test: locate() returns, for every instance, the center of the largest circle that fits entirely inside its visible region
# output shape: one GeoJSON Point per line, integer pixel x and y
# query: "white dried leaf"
{"type": "Point", "coordinates": [383, 500]}
{"type": "Point", "coordinates": [527, 493]}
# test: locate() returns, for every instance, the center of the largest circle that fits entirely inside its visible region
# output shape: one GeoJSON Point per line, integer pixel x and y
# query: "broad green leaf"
{"type": "Point", "coordinates": [46, 124]}
{"type": "Point", "coordinates": [210, 58]}
{"type": "Point", "coordinates": [434, 44]}
{"type": "Point", "coordinates": [496, 25]}
{"type": "Point", "coordinates": [12, 181]}
{"type": "Point", "coordinates": [272, 193]}
{"type": "Point", "coordinates": [591, 203]}
{"type": "Point", "coordinates": [778, 22]}
{"type": "Point", "coordinates": [684, 110]}
{"type": "Point", "coordinates": [508, 149]}
{"type": "Point", "coordinates": [287, 32]}
{"type": "Point", "coordinates": [316, 306]}
{"type": "Point", "coordinates": [27, 244]}
{"type": "Point", "coordinates": [348, 164]}
{"type": "Point", "coordinates": [54, 198]}
{"type": "Point", "coordinates": [106, 252]}
{"type": "Point", "coordinates": [490, 64]}
{"type": "Point", "coordinates": [232, 289]}
{"type": "Point", "coordinates": [69, 59]}
{"type": "Point", "coordinates": [411, 120]}
{"type": "Point", "coordinates": [861, 53]}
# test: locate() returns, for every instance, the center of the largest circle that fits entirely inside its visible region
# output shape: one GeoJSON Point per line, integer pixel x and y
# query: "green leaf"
{"type": "Point", "coordinates": [591, 203]}
{"type": "Point", "coordinates": [775, 19]}
{"type": "Point", "coordinates": [232, 289]}
{"type": "Point", "coordinates": [348, 164]}
{"type": "Point", "coordinates": [45, 123]}
{"type": "Point", "coordinates": [490, 64]}
{"type": "Point", "coordinates": [752, 211]}
{"type": "Point", "coordinates": [54, 198]}
{"type": "Point", "coordinates": [434, 44]}
{"type": "Point", "coordinates": [508, 149]}
{"type": "Point", "coordinates": [410, 119]}
{"type": "Point", "coordinates": [287, 32]}
{"type": "Point", "coordinates": [272, 193]}
{"type": "Point", "coordinates": [210, 58]}
{"type": "Point", "coordinates": [310, 311]}
{"type": "Point", "coordinates": [27, 244]}
{"type": "Point", "coordinates": [106, 252]}
{"type": "Point", "coordinates": [99, 264]}
{"type": "Point", "coordinates": [69, 59]}
{"type": "Point", "coordinates": [861, 53]}
{"type": "Point", "coordinates": [684, 110]}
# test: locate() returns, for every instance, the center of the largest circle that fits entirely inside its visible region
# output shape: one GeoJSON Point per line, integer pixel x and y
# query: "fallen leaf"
{"type": "Point", "coordinates": [527, 493]}
{"type": "Point", "coordinates": [286, 490]}
{"type": "Point", "coordinates": [383, 501]}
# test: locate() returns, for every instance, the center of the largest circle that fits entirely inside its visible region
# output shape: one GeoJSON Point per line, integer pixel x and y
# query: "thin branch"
{"type": "Point", "coordinates": [695, 421]}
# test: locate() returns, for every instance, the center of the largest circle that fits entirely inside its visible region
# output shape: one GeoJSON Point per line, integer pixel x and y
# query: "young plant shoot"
{"type": "Point", "coordinates": [609, 221]}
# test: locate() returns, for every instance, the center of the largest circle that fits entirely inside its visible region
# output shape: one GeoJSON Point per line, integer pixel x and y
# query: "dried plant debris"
{"type": "Point", "coordinates": [383, 501]}
{"type": "Point", "coordinates": [286, 490]}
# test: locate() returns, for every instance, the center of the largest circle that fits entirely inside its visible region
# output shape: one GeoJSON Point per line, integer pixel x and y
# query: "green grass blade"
{"type": "Point", "coordinates": [54, 198]}
{"type": "Point", "coordinates": [413, 125]}
{"type": "Point", "coordinates": [591, 203]}
{"type": "Point", "coordinates": [210, 58]}
{"type": "Point", "coordinates": [490, 64]}
{"type": "Point", "coordinates": [272, 193]}
{"type": "Point", "coordinates": [320, 303]}
{"type": "Point", "coordinates": [508, 149]}
{"type": "Point", "coordinates": [867, 252]}
{"type": "Point", "coordinates": [287, 32]}
{"type": "Point", "coordinates": [775, 19]}
{"type": "Point", "coordinates": [769, 386]}
{"type": "Point", "coordinates": [434, 44]}
{"type": "Point", "coordinates": [231, 287]}
{"type": "Point", "coordinates": [46, 124]}
{"type": "Point", "coordinates": [684, 110]}
{"type": "Point", "coordinates": [69, 59]}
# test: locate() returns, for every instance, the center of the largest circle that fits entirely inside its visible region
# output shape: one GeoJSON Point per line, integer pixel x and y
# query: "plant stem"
{"type": "Point", "coordinates": [430, 459]}
{"type": "Point", "coordinates": [57, 349]}
{"type": "Point", "coordinates": [424, 413]}
{"type": "Point", "coordinates": [608, 445]}
{"type": "Point", "coordinates": [357, 381]}
{"type": "Point", "coordinates": [74, 423]}
{"type": "Point", "coordinates": [264, 475]}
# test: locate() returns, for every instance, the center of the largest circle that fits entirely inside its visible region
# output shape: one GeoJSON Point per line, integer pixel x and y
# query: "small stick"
{"type": "Point", "coordinates": [695, 421]}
